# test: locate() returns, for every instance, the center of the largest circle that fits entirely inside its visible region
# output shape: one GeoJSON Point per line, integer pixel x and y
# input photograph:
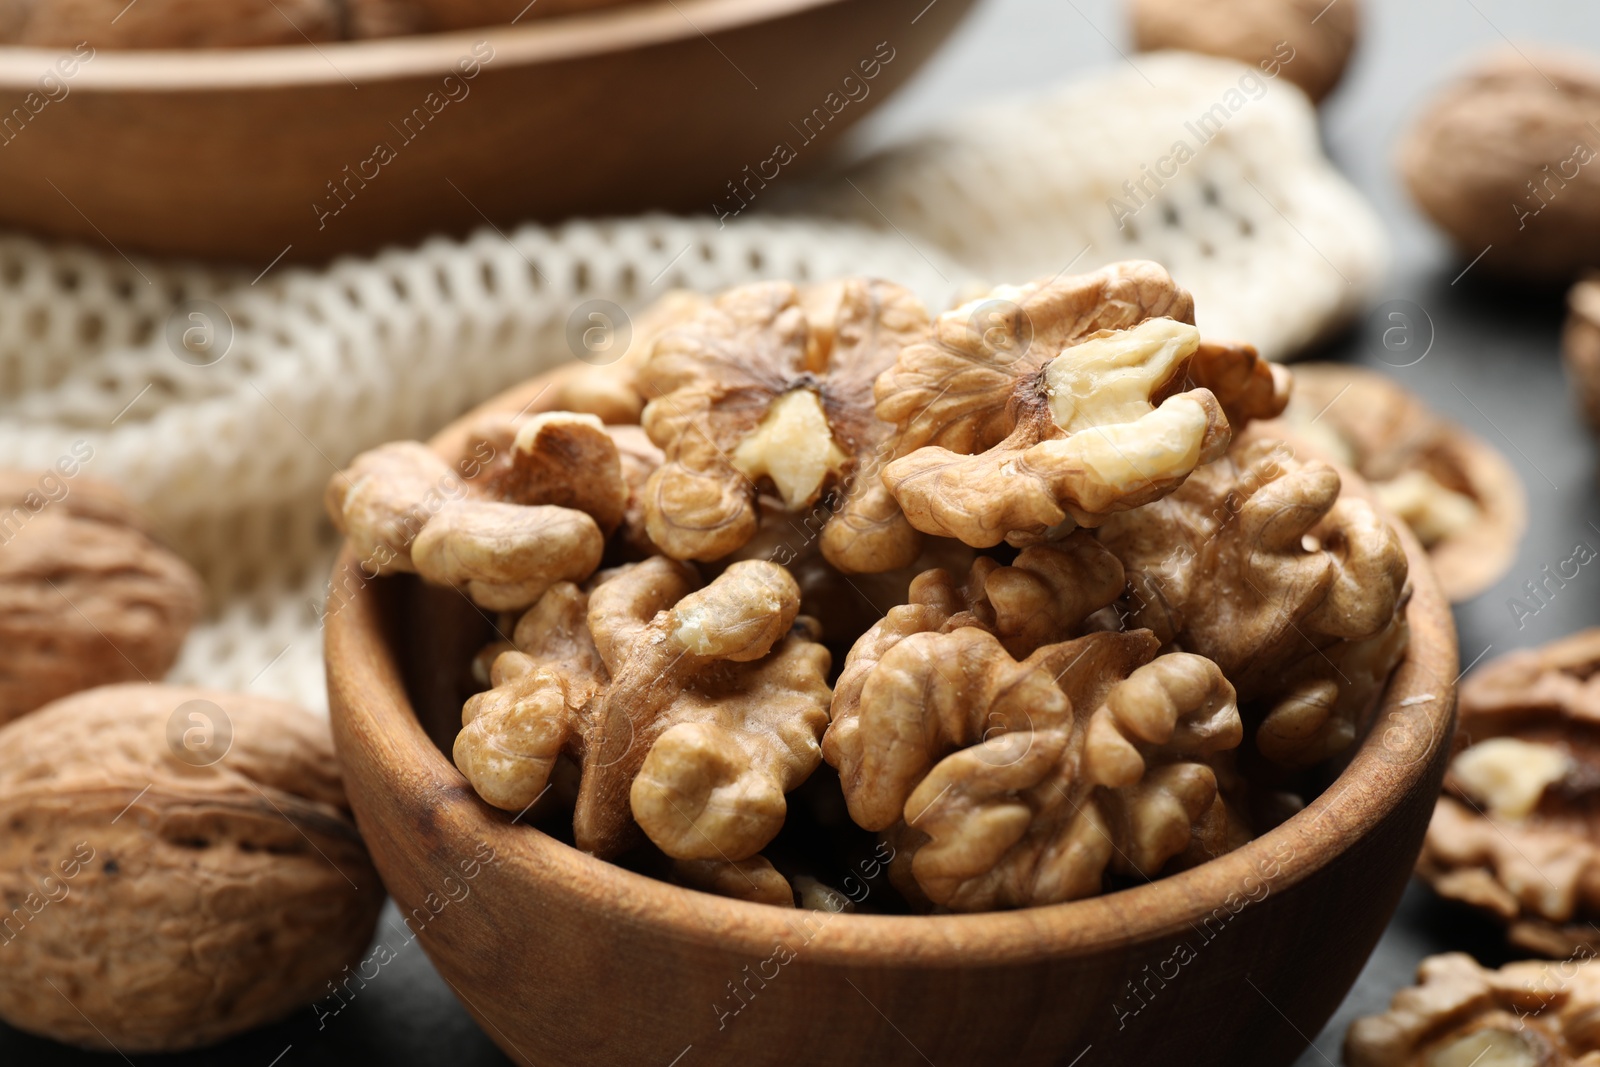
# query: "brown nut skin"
{"type": "Point", "coordinates": [1526, 1014]}
{"type": "Point", "coordinates": [1516, 837]}
{"type": "Point", "coordinates": [166, 902]}
{"type": "Point", "coordinates": [691, 711]}
{"type": "Point", "coordinates": [771, 387]}
{"type": "Point", "coordinates": [1503, 156]}
{"type": "Point", "coordinates": [1308, 42]}
{"type": "Point", "coordinates": [504, 556]}
{"type": "Point", "coordinates": [1038, 816]}
{"type": "Point", "coordinates": [1459, 495]}
{"type": "Point", "coordinates": [754, 879]}
{"type": "Point", "coordinates": [1580, 347]}
{"type": "Point", "coordinates": [86, 596]}
{"type": "Point", "coordinates": [1071, 402]}
{"type": "Point", "coordinates": [1296, 590]}
{"type": "Point", "coordinates": [168, 23]}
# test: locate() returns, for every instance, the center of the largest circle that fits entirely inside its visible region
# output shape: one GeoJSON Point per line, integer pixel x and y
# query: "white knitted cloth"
{"type": "Point", "coordinates": [229, 459]}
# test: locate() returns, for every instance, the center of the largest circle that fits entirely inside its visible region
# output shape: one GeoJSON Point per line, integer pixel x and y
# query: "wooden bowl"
{"type": "Point", "coordinates": [565, 959]}
{"type": "Point", "coordinates": [241, 154]}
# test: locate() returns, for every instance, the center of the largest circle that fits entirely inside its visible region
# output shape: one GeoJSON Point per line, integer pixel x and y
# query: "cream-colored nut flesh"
{"type": "Point", "coordinates": [1434, 512]}
{"type": "Point", "coordinates": [1109, 379]}
{"type": "Point", "coordinates": [1508, 775]}
{"type": "Point", "coordinates": [794, 446]}
{"type": "Point", "coordinates": [1487, 1048]}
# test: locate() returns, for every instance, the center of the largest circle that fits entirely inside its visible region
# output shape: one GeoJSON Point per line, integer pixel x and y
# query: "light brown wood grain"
{"type": "Point", "coordinates": [565, 959]}
{"type": "Point", "coordinates": [222, 153]}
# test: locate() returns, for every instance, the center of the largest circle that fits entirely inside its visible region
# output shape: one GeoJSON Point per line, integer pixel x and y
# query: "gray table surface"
{"type": "Point", "coordinates": [1493, 366]}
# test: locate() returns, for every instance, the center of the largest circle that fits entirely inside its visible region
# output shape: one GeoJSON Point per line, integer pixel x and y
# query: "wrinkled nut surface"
{"type": "Point", "coordinates": [771, 386]}
{"type": "Point", "coordinates": [86, 596]}
{"type": "Point", "coordinates": [1459, 1014]}
{"type": "Point", "coordinates": [1307, 42]}
{"type": "Point", "coordinates": [1013, 763]}
{"type": "Point", "coordinates": [1458, 494]}
{"type": "Point", "coordinates": [1073, 403]}
{"type": "Point", "coordinates": [545, 492]}
{"type": "Point", "coordinates": [844, 606]}
{"type": "Point", "coordinates": [1580, 347]}
{"type": "Point", "coordinates": [691, 711]}
{"type": "Point", "coordinates": [1298, 593]}
{"type": "Point", "coordinates": [504, 556]}
{"type": "Point", "coordinates": [178, 865]}
{"type": "Point", "coordinates": [1501, 157]}
{"type": "Point", "coordinates": [1516, 834]}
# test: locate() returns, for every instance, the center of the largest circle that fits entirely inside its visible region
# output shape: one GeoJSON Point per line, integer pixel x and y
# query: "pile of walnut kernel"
{"type": "Point", "coordinates": [1092, 627]}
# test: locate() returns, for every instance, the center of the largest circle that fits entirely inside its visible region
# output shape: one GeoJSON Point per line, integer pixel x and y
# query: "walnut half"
{"type": "Point", "coordinates": [1516, 833]}
{"type": "Point", "coordinates": [690, 711]}
{"type": "Point", "coordinates": [1529, 1014]}
{"type": "Point", "coordinates": [1075, 404]}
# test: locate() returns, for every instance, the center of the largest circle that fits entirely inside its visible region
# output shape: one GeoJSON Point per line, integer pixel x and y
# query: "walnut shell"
{"type": "Point", "coordinates": [86, 596]}
{"type": "Point", "coordinates": [178, 865]}
{"type": "Point", "coordinates": [1309, 41]}
{"type": "Point", "coordinates": [1505, 157]}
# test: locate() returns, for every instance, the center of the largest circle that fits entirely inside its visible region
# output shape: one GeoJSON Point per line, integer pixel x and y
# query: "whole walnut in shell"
{"type": "Point", "coordinates": [1459, 495]}
{"type": "Point", "coordinates": [1526, 1014]}
{"type": "Point", "coordinates": [87, 597]}
{"type": "Point", "coordinates": [690, 710]}
{"type": "Point", "coordinates": [1306, 41]}
{"type": "Point", "coordinates": [1505, 156]}
{"type": "Point", "coordinates": [1056, 404]}
{"type": "Point", "coordinates": [178, 866]}
{"type": "Point", "coordinates": [1294, 588]}
{"type": "Point", "coordinates": [772, 387]}
{"type": "Point", "coordinates": [1516, 834]}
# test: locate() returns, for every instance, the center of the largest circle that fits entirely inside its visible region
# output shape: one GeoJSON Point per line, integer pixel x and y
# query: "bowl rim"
{"type": "Point", "coordinates": [336, 64]}
{"type": "Point", "coordinates": [1411, 729]}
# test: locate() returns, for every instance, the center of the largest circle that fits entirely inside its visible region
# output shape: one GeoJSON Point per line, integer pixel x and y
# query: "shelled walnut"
{"type": "Point", "coordinates": [178, 866]}
{"type": "Point", "coordinates": [771, 386]}
{"type": "Point", "coordinates": [536, 511]}
{"type": "Point", "coordinates": [1517, 833]}
{"type": "Point", "coordinates": [690, 710]}
{"type": "Point", "coordinates": [1297, 592]}
{"type": "Point", "coordinates": [1527, 1014]}
{"type": "Point", "coordinates": [1502, 158]}
{"type": "Point", "coordinates": [87, 596]}
{"type": "Point", "coordinates": [1459, 495]}
{"type": "Point", "coordinates": [1012, 763]}
{"type": "Point", "coordinates": [1080, 399]}
{"type": "Point", "coordinates": [1580, 347]}
{"type": "Point", "coordinates": [1308, 41]}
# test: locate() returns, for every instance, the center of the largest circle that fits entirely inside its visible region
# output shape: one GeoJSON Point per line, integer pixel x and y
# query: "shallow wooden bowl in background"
{"type": "Point", "coordinates": [230, 154]}
{"type": "Point", "coordinates": [565, 959]}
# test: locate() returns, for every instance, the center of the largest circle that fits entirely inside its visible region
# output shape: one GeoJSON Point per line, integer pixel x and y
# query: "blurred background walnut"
{"type": "Point", "coordinates": [1458, 494]}
{"type": "Point", "coordinates": [1580, 347]}
{"type": "Point", "coordinates": [1459, 1014]}
{"type": "Point", "coordinates": [1308, 42]}
{"type": "Point", "coordinates": [1505, 156]}
{"type": "Point", "coordinates": [87, 596]}
{"type": "Point", "coordinates": [183, 863]}
{"type": "Point", "coordinates": [168, 23]}
{"type": "Point", "coordinates": [1517, 833]}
